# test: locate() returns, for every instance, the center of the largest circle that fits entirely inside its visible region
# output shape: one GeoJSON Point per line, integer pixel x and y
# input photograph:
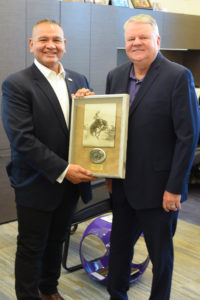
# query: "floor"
{"type": "Point", "coordinates": [79, 286]}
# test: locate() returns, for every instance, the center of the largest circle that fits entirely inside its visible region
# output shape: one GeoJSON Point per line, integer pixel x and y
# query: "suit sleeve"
{"type": "Point", "coordinates": [185, 117]}
{"type": "Point", "coordinates": [17, 119]}
{"type": "Point", "coordinates": [86, 84]}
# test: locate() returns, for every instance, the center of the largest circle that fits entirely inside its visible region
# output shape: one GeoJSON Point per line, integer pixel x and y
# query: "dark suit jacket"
{"type": "Point", "coordinates": [163, 131]}
{"type": "Point", "coordinates": [39, 137]}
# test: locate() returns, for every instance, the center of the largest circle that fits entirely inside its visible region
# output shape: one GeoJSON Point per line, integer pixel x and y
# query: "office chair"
{"type": "Point", "coordinates": [100, 204]}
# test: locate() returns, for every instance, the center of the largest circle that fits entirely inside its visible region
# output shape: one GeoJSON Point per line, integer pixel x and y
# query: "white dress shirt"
{"type": "Point", "coordinates": [58, 83]}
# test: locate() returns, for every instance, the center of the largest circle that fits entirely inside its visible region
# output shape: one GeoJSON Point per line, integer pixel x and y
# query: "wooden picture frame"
{"type": "Point", "coordinates": [145, 4]}
{"type": "Point", "coordinates": [98, 134]}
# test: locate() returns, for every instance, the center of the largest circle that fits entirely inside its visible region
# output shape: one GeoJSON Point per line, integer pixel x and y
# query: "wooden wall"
{"type": "Point", "coordinates": [93, 32]}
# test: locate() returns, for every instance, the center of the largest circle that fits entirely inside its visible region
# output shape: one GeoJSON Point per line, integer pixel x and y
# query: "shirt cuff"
{"type": "Point", "coordinates": [62, 176]}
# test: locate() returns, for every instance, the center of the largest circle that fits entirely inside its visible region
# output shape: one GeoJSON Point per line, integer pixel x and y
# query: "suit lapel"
{"type": "Point", "coordinates": [124, 79]}
{"type": "Point", "coordinates": [71, 90]}
{"type": "Point", "coordinates": [46, 88]}
{"type": "Point", "coordinates": [70, 83]}
{"type": "Point", "coordinates": [146, 84]}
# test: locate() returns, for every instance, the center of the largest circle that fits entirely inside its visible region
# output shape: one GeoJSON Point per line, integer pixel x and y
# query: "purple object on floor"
{"type": "Point", "coordinates": [97, 269]}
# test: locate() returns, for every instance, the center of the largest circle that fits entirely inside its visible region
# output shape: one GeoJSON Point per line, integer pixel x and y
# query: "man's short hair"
{"type": "Point", "coordinates": [48, 21]}
{"type": "Point", "coordinates": [143, 19]}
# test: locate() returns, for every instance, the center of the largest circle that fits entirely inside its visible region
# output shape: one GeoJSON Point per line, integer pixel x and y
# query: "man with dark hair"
{"type": "Point", "coordinates": [35, 112]}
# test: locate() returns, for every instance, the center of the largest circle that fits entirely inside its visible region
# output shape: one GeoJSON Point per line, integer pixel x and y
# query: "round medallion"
{"type": "Point", "coordinates": [97, 155]}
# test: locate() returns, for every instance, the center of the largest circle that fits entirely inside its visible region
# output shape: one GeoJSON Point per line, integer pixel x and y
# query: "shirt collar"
{"type": "Point", "coordinates": [48, 72]}
{"type": "Point", "coordinates": [132, 76]}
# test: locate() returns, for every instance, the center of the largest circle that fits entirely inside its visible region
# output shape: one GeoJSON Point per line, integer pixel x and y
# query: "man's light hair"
{"type": "Point", "coordinates": [48, 21]}
{"type": "Point", "coordinates": [143, 19]}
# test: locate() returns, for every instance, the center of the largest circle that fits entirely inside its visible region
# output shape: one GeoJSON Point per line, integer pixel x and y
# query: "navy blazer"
{"type": "Point", "coordinates": [163, 131]}
{"type": "Point", "coordinates": [39, 138]}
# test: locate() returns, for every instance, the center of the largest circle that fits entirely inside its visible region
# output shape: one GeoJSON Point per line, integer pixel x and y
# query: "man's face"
{"type": "Point", "coordinates": [142, 44]}
{"type": "Point", "coordinates": [48, 45]}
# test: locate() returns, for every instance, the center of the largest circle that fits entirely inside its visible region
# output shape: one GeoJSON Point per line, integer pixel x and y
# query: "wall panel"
{"type": "Point", "coordinates": [37, 10]}
{"type": "Point", "coordinates": [103, 45]}
{"type": "Point", "coordinates": [12, 33]}
{"type": "Point", "coordinates": [12, 59]}
{"type": "Point", "coordinates": [181, 31]}
{"type": "Point", "coordinates": [75, 21]}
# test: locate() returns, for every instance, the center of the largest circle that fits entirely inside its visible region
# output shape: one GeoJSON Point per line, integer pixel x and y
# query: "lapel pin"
{"type": "Point", "coordinates": [69, 79]}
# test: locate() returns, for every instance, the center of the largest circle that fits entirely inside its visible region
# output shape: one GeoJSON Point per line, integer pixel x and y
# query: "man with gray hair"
{"type": "Point", "coordinates": [162, 137]}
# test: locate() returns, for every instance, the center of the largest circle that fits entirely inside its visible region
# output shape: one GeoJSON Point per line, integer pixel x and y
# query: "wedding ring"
{"type": "Point", "coordinates": [173, 206]}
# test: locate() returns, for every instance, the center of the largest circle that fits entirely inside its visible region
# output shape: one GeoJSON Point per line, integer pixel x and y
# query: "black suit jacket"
{"type": "Point", "coordinates": [39, 137]}
{"type": "Point", "coordinates": [163, 131]}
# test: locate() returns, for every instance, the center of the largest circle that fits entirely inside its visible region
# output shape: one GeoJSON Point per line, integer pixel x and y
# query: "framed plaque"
{"type": "Point", "coordinates": [145, 4]}
{"type": "Point", "coordinates": [98, 134]}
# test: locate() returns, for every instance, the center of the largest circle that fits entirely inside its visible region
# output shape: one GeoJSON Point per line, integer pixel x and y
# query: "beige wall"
{"type": "Point", "coordinates": [191, 7]}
